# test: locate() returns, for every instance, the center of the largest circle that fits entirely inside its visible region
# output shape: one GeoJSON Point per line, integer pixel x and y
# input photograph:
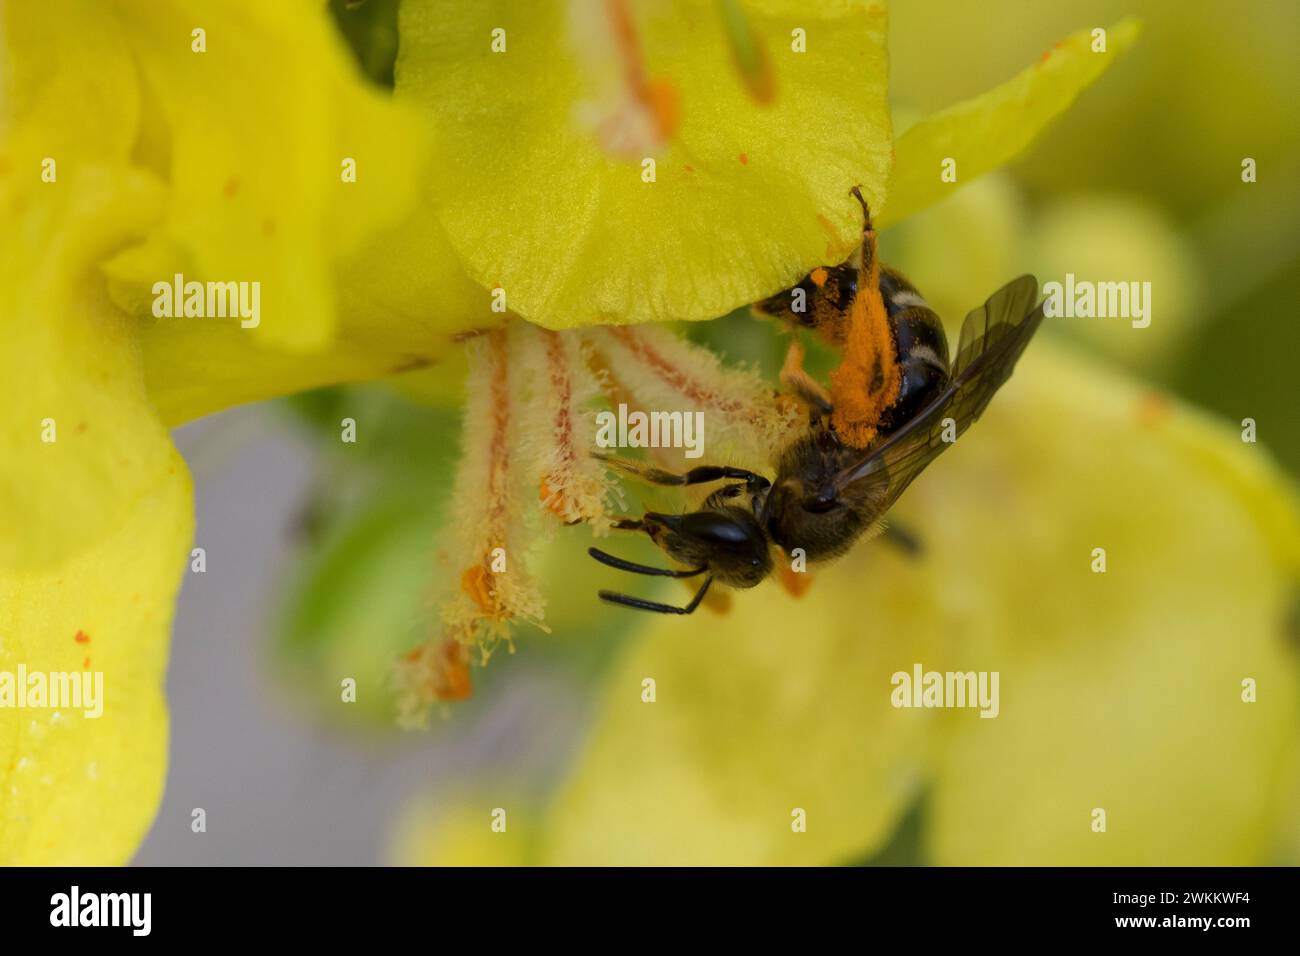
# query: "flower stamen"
{"type": "Point", "coordinates": [526, 428]}
{"type": "Point", "coordinates": [665, 371]}
{"type": "Point", "coordinates": [573, 485]}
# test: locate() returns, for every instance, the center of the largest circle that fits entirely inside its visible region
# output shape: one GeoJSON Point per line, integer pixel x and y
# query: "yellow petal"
{"type": "Point", "coordinates": [95, 505]}
{"type": "Point", "coordinates": [68, 370]}
{"type": "Point", "coordinates": [356, 280]}
{"type": "Point", "coordinates": [77, 789]}
{"type": "Point", "coordinates": [74, 464]}
{"type": "Point", "coordinates": [466, 830]}
{"type": "Point", "coordinates": [1118, 690]}
{"type": "Point", "coordinates": [542, 150]}
{"type": "Point", "coordinates": [1122, 691]}
{"type": "Point", "coordinates": [405, 302]}
{"type": "Point", "coordinates": [781, 705]}
{"type": "Point", "coordinates": [359, 274]}
{"type": "Point", "coordinates": [981, 134]}
{"type": "Point", "coordinates": [261, 127]}
{"type": "Point", "coordinates": [68, 88]}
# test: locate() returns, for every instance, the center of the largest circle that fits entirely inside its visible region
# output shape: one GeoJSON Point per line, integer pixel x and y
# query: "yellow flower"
{"type": "Point", "coordinates": [209, 140]}
{"type": "Point", "coordinates": [234, 142]}
{"type": "Point", "coordinates": [94, 502]}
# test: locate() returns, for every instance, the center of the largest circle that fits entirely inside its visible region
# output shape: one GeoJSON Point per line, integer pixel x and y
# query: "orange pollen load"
{"type": "Point", "coordinates": [476, 582]}
{"type": "Point", "coordinates": [553, 501]}
{"type": "Point", "coordinates": [795, 583]}
{"type": "Point", "coordinates": [868, 380]}
{"type": "Point", "coordinates": [451, 672]}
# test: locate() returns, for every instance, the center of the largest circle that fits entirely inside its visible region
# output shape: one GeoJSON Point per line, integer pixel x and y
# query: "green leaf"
{"type": "Point", "coordinates": [361, 598]}
{"type": "Point", "coordinates": [358, 605]}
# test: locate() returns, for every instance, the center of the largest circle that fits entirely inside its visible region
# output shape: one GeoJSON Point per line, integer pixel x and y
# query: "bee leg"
{"type": "Point", "coordinates": [903, 539]}
{"type": "Point", "coordinates": [799, 383]}
{"type": "Point", "coordinates": [616, 562]}
{"type": "Point", "coordinates": [641, 604]}
{"type": "Point", "coordinates": [696, 476]}
{"type": "Point", "coordinates": [724, 494]}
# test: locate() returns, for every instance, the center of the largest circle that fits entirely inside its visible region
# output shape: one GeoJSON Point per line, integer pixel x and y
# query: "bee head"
{"type": "Point", "coordinates": [728, 541]}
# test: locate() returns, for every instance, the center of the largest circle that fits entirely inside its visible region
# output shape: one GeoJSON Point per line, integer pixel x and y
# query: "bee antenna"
{"type": "Point", "coordinates": [617, 562]}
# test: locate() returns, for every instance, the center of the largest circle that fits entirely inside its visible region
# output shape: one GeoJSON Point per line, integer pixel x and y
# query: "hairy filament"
{"type": "Point", "coordinates": [558, 430]}
{"type": "Point", "coordinates": [664, 371]}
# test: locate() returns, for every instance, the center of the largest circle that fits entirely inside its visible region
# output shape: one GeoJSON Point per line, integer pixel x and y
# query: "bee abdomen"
{"type": "Point", "coordinates": [917, 327]}
{"type": "Point", "coordinates": [921, 345]}
{"type": "Point", "coordinates": [920, 381]}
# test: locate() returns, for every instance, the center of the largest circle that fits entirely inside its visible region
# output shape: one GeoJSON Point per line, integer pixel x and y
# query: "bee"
{"type": "Point", "coordinates": [836, 482]}
{"type": "Point", "coordinates": [898, 332]}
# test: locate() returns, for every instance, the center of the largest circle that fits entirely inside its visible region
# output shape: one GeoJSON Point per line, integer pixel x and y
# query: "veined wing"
{"type": "Point", "coordinates": [992, 340]}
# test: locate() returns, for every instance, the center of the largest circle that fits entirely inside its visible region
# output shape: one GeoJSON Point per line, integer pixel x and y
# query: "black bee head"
{"type": "Point", "coordinates": [728, 541]}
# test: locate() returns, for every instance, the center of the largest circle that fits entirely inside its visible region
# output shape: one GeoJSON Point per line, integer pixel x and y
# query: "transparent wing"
{"type": "Point", "coordinates": [992, 340]}
{"type": "Point", "coordinates": [1004, 314]}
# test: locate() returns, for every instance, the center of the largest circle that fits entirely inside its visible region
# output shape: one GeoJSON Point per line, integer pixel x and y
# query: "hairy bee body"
{"type": "Point", "coordinates": [830, 489]}
{"type": "Point", "coordinates": [821, 301]}
{"type": "Point", "coordinates": [802, 509]}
